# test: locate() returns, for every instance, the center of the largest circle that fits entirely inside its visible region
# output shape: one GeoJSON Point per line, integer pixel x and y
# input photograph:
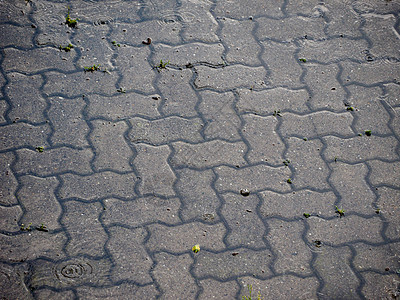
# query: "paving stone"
{"type": "Point", "coordinates": [37, 197]}
{"type": "Point", "coordinates": [241, 47]}
{"type": "Point", "coordinates": [27, 103]}
{"type": "Point", "coordinates": [189, 54]}
{"type": "Point", "coordinates": [230, 77]}
{"type": "Point", "coordinates": [264, 145]}
{"type": "Point", "coordinates": [181, 238]}
{"type": "Point", "coordinates": [31, 245]}
{"type": "Point", "coordinates": [182, 284]}
{"type": "Point", "coordinates": [290, 29]}
{"type": "Point", "coordinates": [266, 101]}
{"type": "Point", "coordinates": [16, 36]}
{"type": "Point", "coordinates": [165, 130]}
{"type": "Point", "coordinates": [377, 258]}
{"type": "Point", "coordinates": [180, 98]}
{"type": "Point", "coordinates": [69, 126]}
{"type": "Point", "coordinates": [39, 59]}
{"type": "Point", "coordinates": [343, 20]}
{"type": "Point", "coordinates": [281, 287]}
{"type": "Point", "coordinates": [159, 32]}
{"type": "Point", "coordinates": [392, 94]}
{"type": "Point", "coordinates": [112, 150]}
{"type": "Point", "coordinates": [229, 264]}
{"type": "Point", "coordinates": [294, 204]}
{"type": "Point", "coordinates": [137, 73]}
{"type": "Point", "coordinates": [245, 9]}
{"type": "Point", "coordinates": [12, 282]}
{"type": "Point", "coordinates": [80, 83]}
{"type": "Point", "coordinates": [389, 208]}
{"type": "Point", "coordinates": [214, 289]}
{"type": "Point", "coordinates": [199, 200]}
{"type": "Point", "coordinates": [3, 108]}
{"type": "Point", "coordinates": [208, 154]}
{"type": "Point", "coordinates": [246, 228]}
{"type": "Point", "coordinates": [99, 185]}
{"type": "Point", "coordinates": [326, 91]}
{"type": "Point", "coordinates": [221, 119]}
{"type": "Point", "coordinates": [340, 281]}
{"type": "Point", "coordinates": [349, 181]}
{"type": "Point", "coordinates": [360, 149]}
{"type": "Point", "coordinates": [86, 234]}
{"type": "Point", "coordinates": [384, 173]}
{"type": "Point", "coordinates": [140, 211]}
{"type": "Point", "coordinates": [310, 170]}
{"type": "Point", "coordinates": [200, 23]}
{"type": "Point", "coordinates": [284, 69]}
{"type": "Point", "coordinates": [379, 286]}
{"type": "Point", "coordinates": [131, 261]}
{"type": "Point", "coordinates": [65, 274]}
{"type": "Point", "coordinates": [9, 217]}
{"type": "Point", "coordinates": [254, 178]}
{"type": "Point", "coordinates": [384, 71]}
{"type": "Point", "coordinates": [314, 125]}
{"type": "Point", "coordinates": [157, 177]}
{"type": "Point", "coordinates": [44, 294]}
{"type": "Point", "coordinates": [122, 106]}
{"type": "Point", "coordinates": [16, 12]}
{"type": "Point", "coordinates": [371, 6]}
{"type": "Point", "coordinates": [333, 50]}
{"type": "Point", "coordinates": [53, 161]}
{"type": "Point", "coordinates": [293, 255]}
{"type": "Point", "coordinates": [118, 292]}
{"type": "Point", "coordinates": [305, 7]}
{"type": "Point", "coordinates": [8, 182]}
{"type": "Point", "coordinates": [380, 29]}
{"type": "Point", "coordinates": [334, 231]}
{"type": "Point", "coordinates": [370, 111]}
{"type": "Point", "coordinates": [395, 123]}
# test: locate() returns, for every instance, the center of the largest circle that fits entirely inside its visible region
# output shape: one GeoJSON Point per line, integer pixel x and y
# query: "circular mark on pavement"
{"type": "Point", "coordinates": [72, 271]}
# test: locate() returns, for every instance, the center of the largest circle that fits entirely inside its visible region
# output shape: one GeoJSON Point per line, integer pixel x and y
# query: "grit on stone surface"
{"type": "Point", "coordinates": [199, 149]}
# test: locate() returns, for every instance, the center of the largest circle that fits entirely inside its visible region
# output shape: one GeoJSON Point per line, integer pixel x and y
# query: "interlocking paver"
{"type": "Point", "coordinates": [37, 197]}
{"type": "Point", "coordinates": [230, 77]}
{"type": "Point", "coordinates": [208, 154]}
{"type": "Point", "coordinates": [141, 211]}
{"type": "Point", "coordinates": [17, 12]}
{"type": "Point", "coordinates": [310, 170]}
{"type": "Point", "coordinates": [377, 258]}
{"type": "Point", "coordinates": [294, 204]}
{"type": "Point", "coordinates": [8, 182]}
{"type": "Point", "coordinates": [241, 47]}
{"type": "Point", "coordinates": [378, 286]}
{"type": "Point", "coordinates": [384, 173]}
{"type": "Point", "coordinates": [131, 261]}
{"type": "Point", "coordinates": [360, 148]}
{"type": "Point", "coordinates": [199, 200]}
{"type": "Point", "coordinates": [98, 185]}
{"type": "Point", "coordinates": [9, 217]}
{"type": "Point", "coordinates": [264, 145]}
{"type": "Point", "coordinates": [20, 88]}
{"type": "Point", "coordinates": [180, 98]}
{"type": "Point", "coordinates": [112, 150]}
{"type": "Point", "coordinates": [122, 106]}
{"type": "Point", "coordinates": [246, 228]}
{"type": "Point", "coordinates": [388, 205]}
{"type": "Point", "coordinates": [44, 294]}
{"type": "Point", "coordinates": [214, 289]}
{"type": "Point", "coordinates": [392, 94]}
{"type": "Point", "coordinates": [53, 161]}
{"type": "Point", "coordinates": [384, 72]}
{"type": "Point", "coordinates": [86, 234]}
{"type": "Point", "coordinates": [255, 178]}
{"type": "Point", "coordinates": [69, 126]}
{"type": "Point", "coordinates": [246, 9]}
{"type": "Point", "coordinates": [371, 6]}
{"type": "Point", "coordinates": [182, 284]}
{"type": "Point", "coordinates": [291, 255]}
{"type": "Point", "coordinates": [267, 101]}
{"type": "Point", "coordinates": [3, 108]}
{"type": "Point", "coordinates": [222, 121]}
{"type": "Point", "coordinates": [228, 264]}
{"type": "Point", "coordinates": [181, 238]}
{"type": "Point", "coordinates": [17, 36]}
{"type": "Point", "coordinates": [340, 281]}
{"type": "Point", "coordinates": [308, 8]}
{"type": "Point", "coordinates": [284, 69]}
{"type": "Point", "coordinates": [158, 177]}
{"type": "Point", "coordinates": [349, 181]}
{"type": "Point", "coordinates": [163, 131]}
{"type": "Point", "coordinates": [12, 281]}
{"type": "Point", "coordinates": [118, 292]}
{"type": "Point", "coordinates": [343, 19]}
{"type": "Point", "coordinates": [326, 91]}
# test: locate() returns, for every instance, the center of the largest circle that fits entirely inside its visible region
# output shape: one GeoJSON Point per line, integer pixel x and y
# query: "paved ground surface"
{"type": "Point", "coordinates": [242, 127]}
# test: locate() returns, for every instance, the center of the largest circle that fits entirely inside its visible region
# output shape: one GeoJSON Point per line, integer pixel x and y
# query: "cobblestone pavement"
{"type": "Point", "coordinates": [266, 132]}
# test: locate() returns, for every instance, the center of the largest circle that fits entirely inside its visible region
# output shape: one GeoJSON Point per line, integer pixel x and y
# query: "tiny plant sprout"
{"type": "Point", "coordinates": [70, 22]}
{"type": "Point", "coordinates": [277, 113]}
{"type": "Point", "coordinates": [340, 211]}
{"type": "Point", "coordinates": [286, 162]}
{"type": "Point", "coordinates": [350, 108]}
{"type": "Point", "coordinates": [302, 60]}
{"type": "Point", "coordinates": [196, 248]}
{"type": "Point", "coordinates": [39, 149]}
{"type": "Point", "coordinates": [368, 132]}
{"type": "Point", "coordinates": [289, 181]}
{"type": "Point", "coordinates": [306, 215]}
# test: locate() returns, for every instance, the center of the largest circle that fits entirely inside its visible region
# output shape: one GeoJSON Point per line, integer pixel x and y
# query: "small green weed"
{"type": "Point", "coordinates": [306, 215]}
{"type": "Point", "coordinates": [26, 228]}
{"type": "Point", "coordinates": [39, 149]}
{"type": "Point", "coordinates": [70, 22]}
{"type": "Point", "coordinates": [302, 60]}
{"type": "Point", "coordinates": [305, 139]}
{"type": "Point", "coordinates": [42, 227]}
{"type": "Point", "coordinates": [92, 68]}
{"type": "Point", "coordinates": [350, 108]}
{"type": "Point", "coordinates": [286, 162]}
{"type": "Point", "coordinates": [66, 48]}
{"type": "Point", "coordinates": [277, 113]}
{"type": "Point", "coordinates": [116, 44]}
{"type": "Point", "coordinates": [196, 248]}
{"type": "Point", "coordinates": [368, 132]}
{"type": "Point", "coordinates": [340, 211]}
{"type": "Point", "coordinates": [289, 181]}
{"type": "Point", "coordinates": [162, 65]}
{"type": "Point", "coordinates": [121, 90]}
{"type": "Point", "coordinates": [250, 289]}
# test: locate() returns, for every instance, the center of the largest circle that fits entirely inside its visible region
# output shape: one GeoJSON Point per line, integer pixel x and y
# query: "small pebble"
{"type": "Point", "coordinates": [244, 192]}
